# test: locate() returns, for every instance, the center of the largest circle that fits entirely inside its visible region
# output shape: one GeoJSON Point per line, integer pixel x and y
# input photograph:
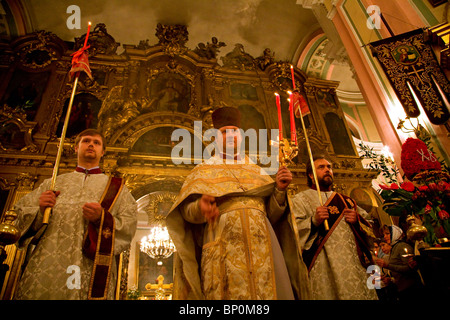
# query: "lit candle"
{"type": "Point", "coordinates": [87, 34]}
{"type": "Point", "coordinates": [291, 115]}
{"type": "Point", "coordinates": [293, 79]}
{"type": "Point", "coordinates": [280, 122]}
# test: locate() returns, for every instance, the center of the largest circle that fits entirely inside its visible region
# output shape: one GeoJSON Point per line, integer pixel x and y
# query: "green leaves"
{"type": "Point", "coordinates": [380, 163]}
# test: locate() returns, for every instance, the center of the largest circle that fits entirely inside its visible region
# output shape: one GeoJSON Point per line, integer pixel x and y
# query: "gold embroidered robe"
{"type": "Point", "coordinates": [239, 255]}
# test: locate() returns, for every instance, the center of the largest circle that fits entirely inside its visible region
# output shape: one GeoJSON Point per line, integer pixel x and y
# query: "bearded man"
{"type": "Point", "coordinates": [337, 259]}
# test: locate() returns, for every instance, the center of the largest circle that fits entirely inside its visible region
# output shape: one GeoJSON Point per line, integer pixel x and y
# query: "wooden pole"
{"type": "Point", "coordinates": [325, 223]}
{"type": "Point", "coordinates": [48, 210]}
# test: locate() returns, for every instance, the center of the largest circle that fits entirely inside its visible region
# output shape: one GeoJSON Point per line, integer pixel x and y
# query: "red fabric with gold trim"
{"type": "Point", "coordinates": [98, 245]}
{"type": "Point", "coordinates": [336, 205]}
{"type": "Point", "coordinates": [300, 105]}
{"type": "Point", "coordinates": [80, 62]}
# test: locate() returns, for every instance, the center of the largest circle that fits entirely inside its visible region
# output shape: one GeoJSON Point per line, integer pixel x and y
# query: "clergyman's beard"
{"type": "Point", "coordinates": [326, 183]}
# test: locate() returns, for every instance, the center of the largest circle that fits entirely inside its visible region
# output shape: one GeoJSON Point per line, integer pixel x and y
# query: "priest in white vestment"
{"type": "Point", "coordinates": [337, 260]}
{"type": "Point", "coordinates": [57, 268]}
{"type": "Point", "coordinates": [221, 224]}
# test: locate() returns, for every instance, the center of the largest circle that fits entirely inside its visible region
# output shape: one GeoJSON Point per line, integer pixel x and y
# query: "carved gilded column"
{"type": "Point", "coordinates": [23, 185]}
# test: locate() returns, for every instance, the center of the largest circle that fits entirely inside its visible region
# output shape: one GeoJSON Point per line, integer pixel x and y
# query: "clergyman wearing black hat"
{"type": "Point", "coordinates": [228, 121]}
{"type": "Point", "coordinates": [221, 224]}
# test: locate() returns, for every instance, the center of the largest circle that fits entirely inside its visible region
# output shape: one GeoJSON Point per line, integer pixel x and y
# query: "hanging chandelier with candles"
{"type": "Point", "coordinates": [157, 244]}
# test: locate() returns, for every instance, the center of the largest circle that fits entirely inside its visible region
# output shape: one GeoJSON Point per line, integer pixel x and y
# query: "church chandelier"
{"type": "Point", "coordinates": [158, 244]}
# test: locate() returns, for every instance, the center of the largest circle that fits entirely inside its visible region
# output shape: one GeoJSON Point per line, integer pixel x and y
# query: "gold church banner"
{"type": "Point", "coordinates": [412, 69]}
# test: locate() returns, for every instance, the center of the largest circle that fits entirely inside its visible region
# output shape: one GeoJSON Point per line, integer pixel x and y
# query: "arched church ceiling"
{"type": "Point", "coordinates": [256, 24]}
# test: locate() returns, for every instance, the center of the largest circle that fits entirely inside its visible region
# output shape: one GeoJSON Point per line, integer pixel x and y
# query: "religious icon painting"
{"type": "Point", "coordinates": [82, 116]}
{"type": "Point", "coordinates": [406, 54]}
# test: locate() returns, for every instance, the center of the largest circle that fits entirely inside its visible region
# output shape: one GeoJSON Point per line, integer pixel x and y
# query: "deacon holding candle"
{"type": "Point", "coordinates": [75, 224]}
{"type": "Point", "coordinates": [337, 258]}
{"type": "Point", "coordinates": [299, 106]}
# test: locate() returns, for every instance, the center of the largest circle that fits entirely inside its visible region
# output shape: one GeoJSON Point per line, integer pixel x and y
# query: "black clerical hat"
{"type": "Point", "coordinates": [226, 116]}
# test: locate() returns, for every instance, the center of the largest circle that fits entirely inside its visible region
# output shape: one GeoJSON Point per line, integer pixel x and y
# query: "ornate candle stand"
{"type": "Point", "coordinates": [288, 151]}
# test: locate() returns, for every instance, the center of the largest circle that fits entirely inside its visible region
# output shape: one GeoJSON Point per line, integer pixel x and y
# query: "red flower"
{"type": "Point", "coordinates": [416, 157]}
{"type": "Point", "coordinates": [442, 185]}
{"type": "Point", "coordinates": [418, 194]}
{"type": "Point", "coordinates": [433, 187]}
{"type": "Point", "coordinates": [427, 209]}
{"type": "Point", "coordinates": [394, 186]}
{"type": "Point", "coordinates": [423, 188]}
{"type": "Point", "coordinates": [443, 215]}
{"type": "Point", "coordinates": [408, 186]}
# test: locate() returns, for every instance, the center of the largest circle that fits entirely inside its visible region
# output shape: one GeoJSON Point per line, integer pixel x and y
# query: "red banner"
{"type": "Point", "coordinates": [80, 62]}
{"type": "Point", "coordinates": [300, 105]}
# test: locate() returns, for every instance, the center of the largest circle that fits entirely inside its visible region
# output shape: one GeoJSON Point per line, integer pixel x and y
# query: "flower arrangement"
{"type": "Point", "coordinates": [427, 193]}
{"type": "Point", "coordinates": [133, 293]}
{"type": "Point", "coordinates": [427, 199]}
{"type": "Point", "coordinates": [416, 157]}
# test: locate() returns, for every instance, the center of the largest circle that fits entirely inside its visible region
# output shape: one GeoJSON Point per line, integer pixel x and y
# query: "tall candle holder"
{"type": "Point", "coordinates": [287, 152]}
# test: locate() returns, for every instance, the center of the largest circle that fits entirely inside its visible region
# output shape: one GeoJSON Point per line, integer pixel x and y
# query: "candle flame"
{"type": "Point", "coordinates": [289, 92]}
{"type": "Point", "coordinates": [406, 250]}
{"type": "Point", "coordinates": [89, 23]}
{"type": "Point", "coordinates": [292, 67]}
{"type": "Point", "coordinates": [276, 94]}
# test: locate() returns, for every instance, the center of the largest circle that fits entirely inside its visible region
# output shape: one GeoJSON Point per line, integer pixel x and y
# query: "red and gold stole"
{"type": "Point", "coordinates": [336, 205]}
{"type": "Point", "coordinates": [98, 245]}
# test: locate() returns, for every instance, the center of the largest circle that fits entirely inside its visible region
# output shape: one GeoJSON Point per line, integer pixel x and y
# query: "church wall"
{"type": "Point", "coordinates": [137, 98]}
{"type": "Point", "coordinates": [315, 64]}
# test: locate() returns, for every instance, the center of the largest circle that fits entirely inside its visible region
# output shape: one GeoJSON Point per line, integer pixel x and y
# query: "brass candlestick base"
{"type": "Point", "coordinates": [415, 231]}
{"type": "Point", "coordinates": [9, 234]}
{"type": "Point", "coordinates": [288, 151]}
